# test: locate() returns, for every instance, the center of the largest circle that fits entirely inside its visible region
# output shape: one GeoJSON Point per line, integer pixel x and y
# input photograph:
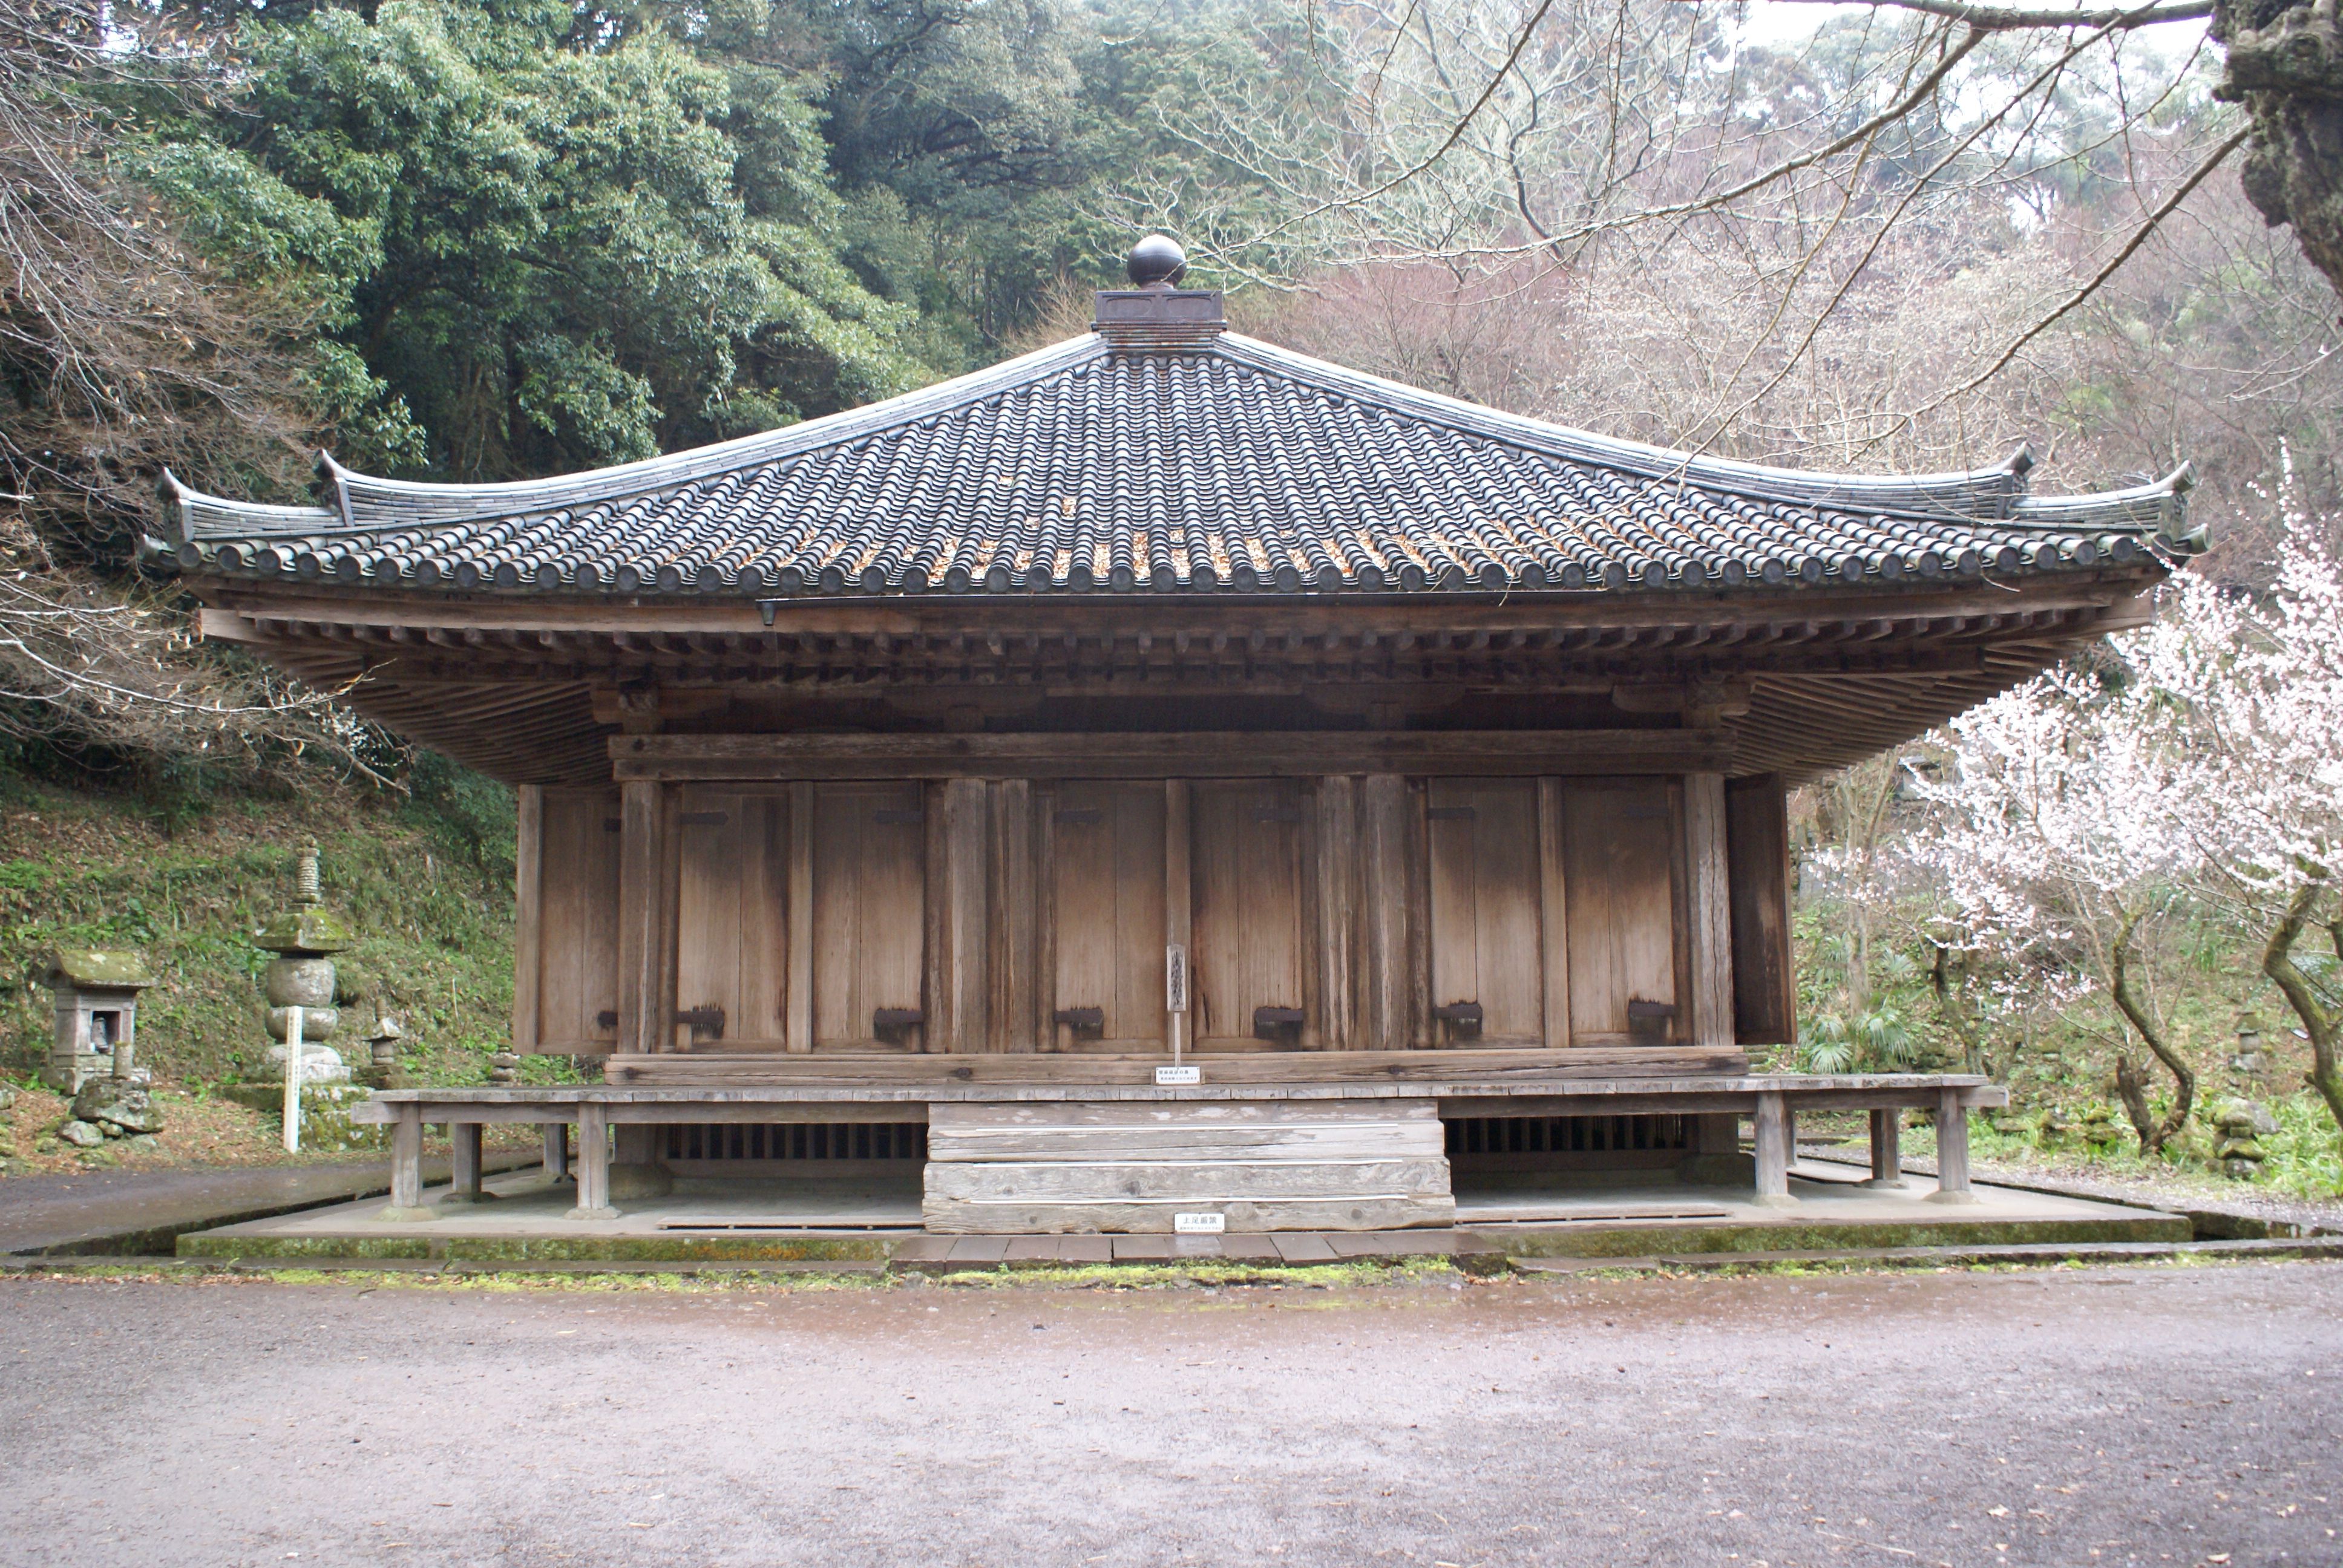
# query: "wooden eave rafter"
{"type": "Point", "coordinates": [510, 685]}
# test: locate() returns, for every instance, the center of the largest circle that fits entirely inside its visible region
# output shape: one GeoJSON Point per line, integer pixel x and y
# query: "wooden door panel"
{"type": "Point", "coordinates": [731, 897]}
{"type": "Point", "coordinates": [869, 915]}
{"type": "Point", "coordinates": [1248, 948]}
{"type": "Point", "coordinates": [1620, 854]}
{"type": "Point", "coordinates": [577, 943]}
{"type": "Point", "coordinates": [1485, 907]}
{"type": "Point", "coordinates": [1108, 848]}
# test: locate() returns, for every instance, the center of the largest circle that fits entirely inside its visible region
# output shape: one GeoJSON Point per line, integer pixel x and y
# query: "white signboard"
{"type": "Point", "coordinates": [1179, 1075]}
{"type": "Point", "coordinates": [1199, 1224]}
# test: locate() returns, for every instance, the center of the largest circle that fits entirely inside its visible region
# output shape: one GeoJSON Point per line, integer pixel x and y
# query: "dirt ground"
{"type": "Point", "coordinates": [2184, 1415]}
{"type": "Point", "coordinates": [198, 1129]}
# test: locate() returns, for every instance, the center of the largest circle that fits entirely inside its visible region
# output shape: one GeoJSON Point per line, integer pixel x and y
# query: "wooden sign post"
{"type": "Point", "coordinates": [1175, 1002]}
{"type": "Point", "coordinates": [294, 1025]}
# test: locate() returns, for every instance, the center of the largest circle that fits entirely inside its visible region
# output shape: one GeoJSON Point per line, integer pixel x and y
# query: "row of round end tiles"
{"type": "Point", "coordinates": [283, 560]}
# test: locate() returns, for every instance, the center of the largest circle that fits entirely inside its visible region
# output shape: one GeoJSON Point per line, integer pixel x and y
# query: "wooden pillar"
{"type": "Point", "coordinates": [1178, 896]}
{"type": "Point", "coordinates": [1952, 1151]}
{"type": "Point", "coordinates": [1886, 1151]}
{"type": "Point", "coordinates": [642, 943]}
{"type": "Point", "coordinates": [1553, 913]}
{"type": "Point", "coordinates": [1384, 840]}
{"type": "Point", "coordinates": [953, 983]}
{"type": "Point", "coordinates": [799, 1033]}
{"type": "Point", "coordinates": [557, 1150]}
{"type": "Point", "coordinates": [464, 1144]}
{"type": "Point", "coordinates": [593, 1164]}
{"type": "Point", "coordinates": [1710, 900]}
{"type": "Point", "coordinates": [407, 1167]}
{"type": "Point", "coordinates": [1338, 913]}
{"type": "Point", "coordinates": [1009, 917]}
{"type": "Point", "coordinates": [1776, 1146]}
{"type": "Point", "coordinates": [528, 860]}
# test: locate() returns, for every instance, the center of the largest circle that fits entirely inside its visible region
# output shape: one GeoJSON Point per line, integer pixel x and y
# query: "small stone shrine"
{"type": "Point", "coordinates": [97, 1014]}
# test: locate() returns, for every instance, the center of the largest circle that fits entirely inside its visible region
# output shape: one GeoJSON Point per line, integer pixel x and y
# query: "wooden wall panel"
{"type": "Point", "coordinates": [732, 892]}
{"type": "Point", "coordinates": [1708, 925]}
{"type": "Point", "coordinates": [577, 907]}
{"type": "Point", "coordinates": [1334, 851]}
{"type": "Point", "coordinates": [869, 912]}
{"type": "Point", "coordinates": [1487, 928]}
{"type": "Point", "coordinates": [1012, 1022]}
{"type": "Point", "coordinates": [1757, 850]}
{"type": "Point", "coordinates": [528, 866]}
{"type": "Point", "coordinates": [644, 876]}
{"type": "Point", "coordinates": [1619, 857]}
{"type": "Point", "coordinates": [1248, 948]}
{"type": "Point", "coordinates": [1109, 894]}
{"type": "Point", "coordinates": [1386, 804]}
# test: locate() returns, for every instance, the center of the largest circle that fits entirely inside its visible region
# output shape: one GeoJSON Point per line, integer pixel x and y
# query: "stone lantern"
{"type": "Point", "coordinates": [97, 1014]}
{"type": "Point", "coordinates": [384, 1070]}
{"type": "Point", "coordinates": [304, 936]}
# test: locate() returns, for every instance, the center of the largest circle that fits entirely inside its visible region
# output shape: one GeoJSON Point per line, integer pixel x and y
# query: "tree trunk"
{"type": "Point", "coordinates": [2153, 1136]}
{"type": "Point", "coordinates": [1952, 1002]}
{"type": "Point", "coordinates": [2318, 1022]}
{"type": "Point", "coordinates": [2285, 64]}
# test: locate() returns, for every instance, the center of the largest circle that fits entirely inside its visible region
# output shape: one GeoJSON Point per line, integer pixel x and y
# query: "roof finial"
{"type": "Point", "coordinates": [1157, 262]}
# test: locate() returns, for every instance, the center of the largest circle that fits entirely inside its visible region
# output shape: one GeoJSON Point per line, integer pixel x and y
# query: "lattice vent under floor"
{"type": "Point", "coordinates": [1566, 1134]}
{"type": "Point", "coordinates": [809, 1140]}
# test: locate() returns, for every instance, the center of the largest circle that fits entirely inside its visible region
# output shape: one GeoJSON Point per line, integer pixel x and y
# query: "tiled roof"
{"type": "Point", "coordinates": [1217, 464]}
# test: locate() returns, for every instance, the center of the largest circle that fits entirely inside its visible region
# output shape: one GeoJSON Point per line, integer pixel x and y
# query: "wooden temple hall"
{"type": "Point", "coordinates": [1165, 776]}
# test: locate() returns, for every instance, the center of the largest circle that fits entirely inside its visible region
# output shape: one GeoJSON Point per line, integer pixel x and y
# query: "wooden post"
{"type": "Point", "coordinates": [464, 1142]}
{"type": "Point", "coordinates": [799, 1033]}
{"type": "Point", "coordinates": [407, 1167]}
{"type": "Point", "coordinates": [528, 860]}
{"type": "Point", "coordinates": [1337, 853]}
{"type": "Point", "coordinates": [641, 944]}
{"type": "Point", "coordinates": [1886, 1151]}
{"type": "Point", "coordinates": [1553, 913]}
{"type": "Point", "coordinates": [297, 1031]}
{"type": "Point", "coordinates": [593, 1164]}
{"type": "Point", "coordinates": [1776, 1146]}
{"type": "Point", "coordinates": [557, 1150]}
{"type": "Point", "coordinates": [1952, 1151]}
{"type": "Point", "coordinates": [1709, 874]}
{"type": "Point", "coordinates": [1009, 917]}
{"type": "Point", "coordinates": [967, 896]}
{"type": "Point", "coordinates": [1382, 812]}
{"type": "Point", "coordinates": [1764, 974]}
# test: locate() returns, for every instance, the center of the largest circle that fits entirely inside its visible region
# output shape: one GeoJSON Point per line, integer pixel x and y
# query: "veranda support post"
{"type": "Point", "coordinates": [1952, 1151]}
{"type": "Point", "coordinates": [1777, 1143]}
{"type": "Point", "coordinates": [1886, 1149]}
{"type": "Point", "coordinates": [557, 1150]}
{"type": "Point", "coordinates": [593, 1164]}
{"type": "Point", "coordinates": [407, 1166]}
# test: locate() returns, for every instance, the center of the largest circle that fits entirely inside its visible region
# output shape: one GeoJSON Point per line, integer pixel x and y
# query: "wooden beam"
{"type": "Point", "coordinates": [1195, 755]}
{"type": "Point", "coordinates": [1709, 898]}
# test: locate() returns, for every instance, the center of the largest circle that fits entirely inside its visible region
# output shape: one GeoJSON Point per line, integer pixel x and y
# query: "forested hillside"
{"type": "Point", "coordinates": [488, 239]}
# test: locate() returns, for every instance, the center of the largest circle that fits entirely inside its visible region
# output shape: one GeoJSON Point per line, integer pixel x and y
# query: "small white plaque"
{"type": "Point", "coordinates": [1179, 1075]}
{"type": "Point", "coordinates": [1199, 1224]}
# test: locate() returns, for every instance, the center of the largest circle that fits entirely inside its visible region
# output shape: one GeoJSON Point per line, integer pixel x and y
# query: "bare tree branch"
{"type": "Point", "coordinates": [2006, 19]}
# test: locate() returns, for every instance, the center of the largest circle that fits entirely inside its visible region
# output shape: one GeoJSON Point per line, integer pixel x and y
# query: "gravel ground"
{"type": "Point", "coordinates": [2184, 1415]}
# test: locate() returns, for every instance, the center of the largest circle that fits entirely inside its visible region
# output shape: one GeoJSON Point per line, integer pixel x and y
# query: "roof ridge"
{"type": "Point", "coordinates": [1757, 480]}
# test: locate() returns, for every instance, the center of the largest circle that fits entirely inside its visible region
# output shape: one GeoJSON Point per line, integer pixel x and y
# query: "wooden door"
{"type": "Point", "coordinates": [1106, 872]}
{"type": "Point", "coordinates": [1248, 948]}
{"type": "Point", "coordinates": [578, 929]}
{"type": "Point", "coordinates": [1486, 912]}
{"type": "Point", "coordinates": [731, 897]}
{"type": "Point", "coordinates": [870, 883]}
{"type": "Point", "coordinates": [1621, 858]}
